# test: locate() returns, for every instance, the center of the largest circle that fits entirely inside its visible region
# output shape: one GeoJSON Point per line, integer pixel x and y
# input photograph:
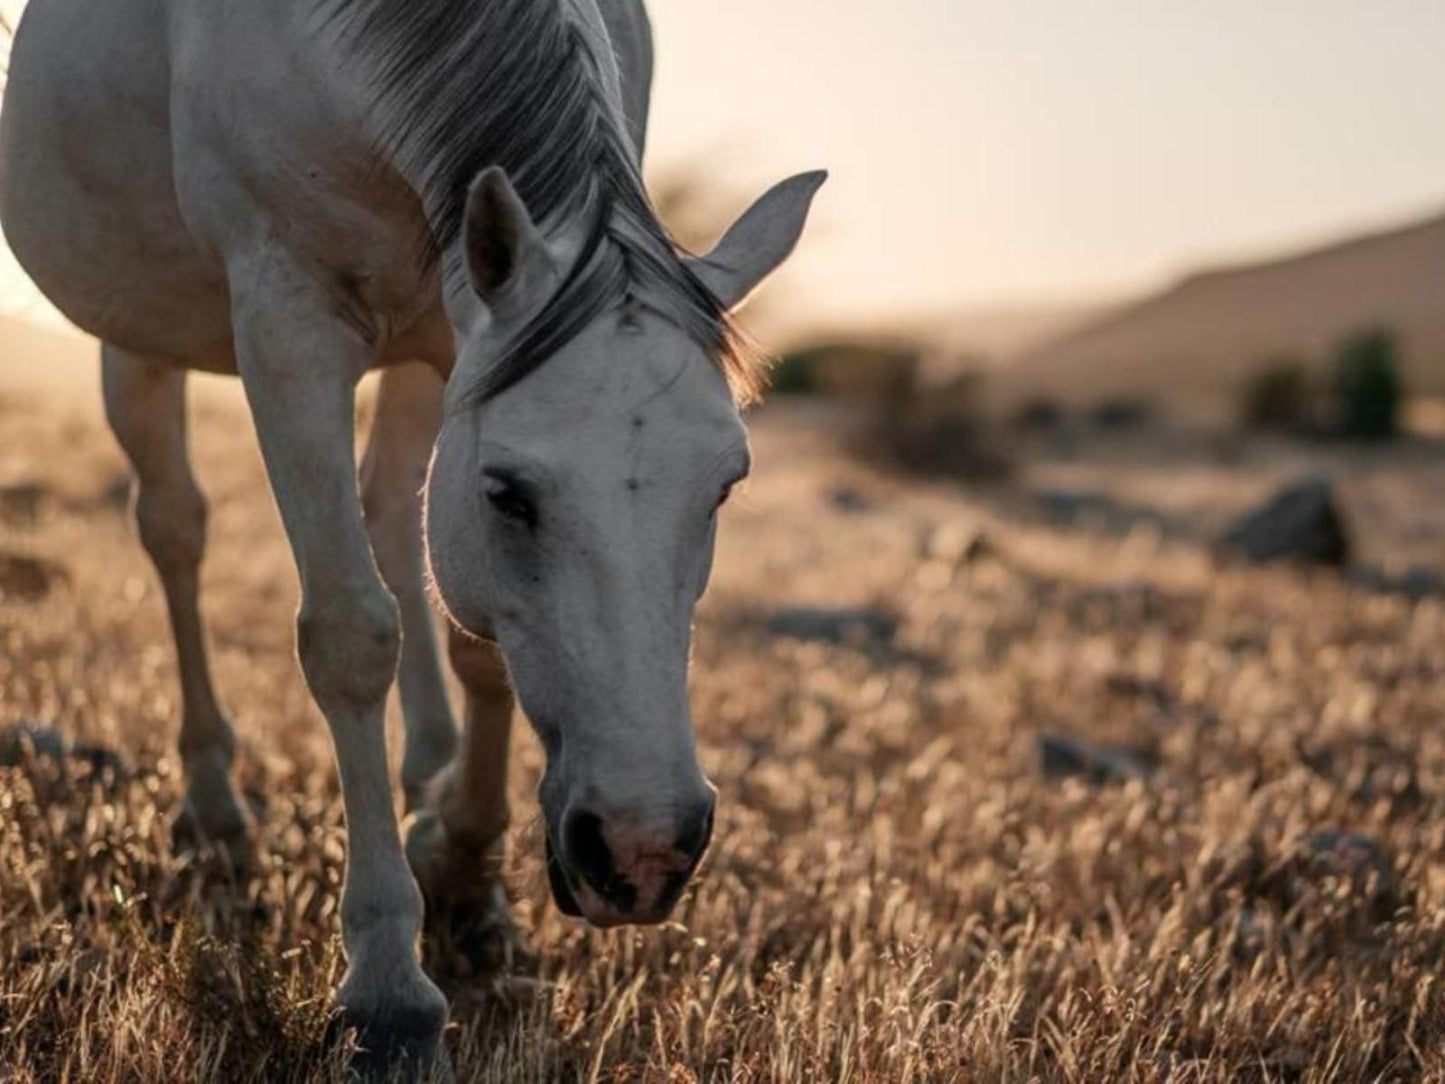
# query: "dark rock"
{"type": "Point", "coordinates": [1415, 583]}
{"type": "Point", "coordinates": [1068, 757]}
{"type": "Point", "coordinates": [31, 741]}
{"type": "Point", "coordinates": [848, 499]}
{"type": "Point", "coordinates": [27, 740]}
{"type": "Point", "coordinates": [1300, 523]}
{"type": "Point", "coordinates": [860, 626]}
{"type": "Point", "coordinates": [1357, 863]}
{"type": "Point", "coordinates": [21, 503]}
{"type": "Point", "coordinates": [1356, 857]}
{"type": "Point", "coordinates": [27, 579]}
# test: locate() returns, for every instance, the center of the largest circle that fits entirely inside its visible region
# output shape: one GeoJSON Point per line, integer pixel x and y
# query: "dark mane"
{"type": "Point", "coordinates": [468, 84]}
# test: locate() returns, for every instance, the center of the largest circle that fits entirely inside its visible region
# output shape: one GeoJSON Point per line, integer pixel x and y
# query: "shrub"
{"type": "Point", "coordinates": [900, 415]}
{"type": "Point", "coordinates": [845, 370]}
{"type": "Point", "coordinates": [1121, 413]}
{"type": "Point", "coordinates": [937, 428]}
{"type": "Point", "coordinates": [1278, 396]}
{"type": "Point", "coordinates": [1039, 414]}
{"type": "Point", "coordinates": [795, 374]}
{"type": "Point", "coordinates": [1366, 386]}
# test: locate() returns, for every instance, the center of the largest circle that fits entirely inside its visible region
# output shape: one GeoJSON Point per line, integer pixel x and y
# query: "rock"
{"type": "Point", "coordinates": [19, 743]}
{"type": "Point", "coordinates": [21, 503]}
{"type": "Point", "coordinates": [1068, 757]}
{"type": "Point", "coordinates": [1341, 874]}
{"type": "Point", "coordinates": [1415, 583]}
{"type": "Point", "coordinates": [849, 500]}
{"type": "Point", "coordinates": [25, 741]}
{"type": "Point", "coordinates": [859, 626]}
{"type": "Point", "coordinates": [1358, 859]}
{"type": "Point", "coordinates": [1300, 523]}
{"type": "Point", "coordinates": [27, 579]}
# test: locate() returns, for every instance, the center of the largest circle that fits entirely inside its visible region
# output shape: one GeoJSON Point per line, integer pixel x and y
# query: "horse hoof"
{"type": "Point", "coordinates": [478, 938]}
{"type": "Point", "coordinates": [398, 1042]}
{"type": "Point", "coordinates": [226, 837]}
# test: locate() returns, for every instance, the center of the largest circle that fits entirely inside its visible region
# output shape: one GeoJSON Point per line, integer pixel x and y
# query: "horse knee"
{"type": "Point", "coordinates": [172, 523]}
{"type": "Point", "coordinates": [349, 644]}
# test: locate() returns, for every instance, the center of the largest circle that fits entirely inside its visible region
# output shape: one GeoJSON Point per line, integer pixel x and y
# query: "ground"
{"type": "Point", "coordinates": [1065, 801]}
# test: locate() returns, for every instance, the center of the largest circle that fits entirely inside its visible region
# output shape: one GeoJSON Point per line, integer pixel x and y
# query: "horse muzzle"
{"type": "Point", "coordinates": [625, 868]}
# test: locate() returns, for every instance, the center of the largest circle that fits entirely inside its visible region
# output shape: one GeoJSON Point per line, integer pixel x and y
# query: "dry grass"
{"type": "Point", "coordinates": [896, 893]}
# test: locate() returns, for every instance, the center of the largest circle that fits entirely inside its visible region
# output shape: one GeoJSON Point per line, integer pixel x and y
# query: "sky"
{"type": "Point", "coordinates": [987, 153]}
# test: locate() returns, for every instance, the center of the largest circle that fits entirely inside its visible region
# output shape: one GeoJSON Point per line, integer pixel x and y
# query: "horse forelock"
{"type": "Point", "coordinates": [462, 85]}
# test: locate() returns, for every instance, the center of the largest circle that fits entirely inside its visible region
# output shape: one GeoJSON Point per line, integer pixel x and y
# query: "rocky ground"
{"type": "Point", "coordinates": [1009, 791]}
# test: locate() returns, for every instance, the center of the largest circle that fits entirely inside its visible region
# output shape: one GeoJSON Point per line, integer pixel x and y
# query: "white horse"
{"type": "Point", "coordinates": [300, 191]}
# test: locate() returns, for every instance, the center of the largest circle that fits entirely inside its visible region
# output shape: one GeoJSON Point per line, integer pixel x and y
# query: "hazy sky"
{"type": "Point", "coordinates": [984, 152]}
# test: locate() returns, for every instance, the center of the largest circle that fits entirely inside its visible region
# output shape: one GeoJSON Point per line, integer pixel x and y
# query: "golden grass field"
{"type": "Point", "coordinates": [897, 890]}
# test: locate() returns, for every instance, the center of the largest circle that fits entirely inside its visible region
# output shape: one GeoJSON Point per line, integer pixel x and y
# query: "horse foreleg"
{"type": "Point", "coordinates": [300, 363]}
{"type": "Point", "coordinates": [408, 415]}
{"type": "Point", "coordinates": [456, 843]}
{"type": "Point", "coordinates": [145, 402]}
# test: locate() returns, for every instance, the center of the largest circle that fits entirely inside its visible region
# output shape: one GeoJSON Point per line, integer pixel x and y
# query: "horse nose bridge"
{"type": "Point", "coordinates": [640, 774]}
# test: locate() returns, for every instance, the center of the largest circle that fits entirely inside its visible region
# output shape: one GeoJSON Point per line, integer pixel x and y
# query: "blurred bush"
{"type": "Point", "coordinates": [899, 413]}
{"type": "Point", "coordinates": [1366, 387]}
{"type": "Point", "coordinates": [1121, 413]}
{"type": "Point", "coordinates": [858, 371]}
{"type": "Point", "coordinates": [1039, 414]}
{"type": "Point", "coordinates": [1278, 396]}
{"type": "Point", "coordinates": [938, 428]}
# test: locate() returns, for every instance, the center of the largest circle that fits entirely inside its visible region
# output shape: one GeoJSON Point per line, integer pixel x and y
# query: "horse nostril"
{"type": "Point", "coordinates": [589, 855]}
{"type": "Point", "coordinates": [696, 832]}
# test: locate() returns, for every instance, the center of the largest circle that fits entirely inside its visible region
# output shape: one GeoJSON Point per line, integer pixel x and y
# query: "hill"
{"type": "Point", "coordinates": [1191, 346]}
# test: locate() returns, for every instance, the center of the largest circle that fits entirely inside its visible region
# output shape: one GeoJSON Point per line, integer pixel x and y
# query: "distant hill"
{"type": "Point", "coordinates": [993, 335]}
{"type": "Point", "coordinates": [1191, 347]}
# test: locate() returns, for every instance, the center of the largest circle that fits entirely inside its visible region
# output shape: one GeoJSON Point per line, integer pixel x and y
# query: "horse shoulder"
{"type": "Point", "coordinates": [273, 160]}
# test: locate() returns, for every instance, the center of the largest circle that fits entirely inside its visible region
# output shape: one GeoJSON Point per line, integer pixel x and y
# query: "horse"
{"type": "Point", "coordinates": [299, 192]}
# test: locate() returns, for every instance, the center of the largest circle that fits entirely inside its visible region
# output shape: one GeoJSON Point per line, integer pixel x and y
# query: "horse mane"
{"type": "Point", "coordinates": [463, 85]}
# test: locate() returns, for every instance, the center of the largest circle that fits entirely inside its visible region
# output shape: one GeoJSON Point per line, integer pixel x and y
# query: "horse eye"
{"type": "Point", "coordinates": [511, 502]}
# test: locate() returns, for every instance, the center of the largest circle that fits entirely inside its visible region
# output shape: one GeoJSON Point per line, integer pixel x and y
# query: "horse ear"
{"type": "Point", "coordinates": [505, 252]}
{"type": "Point", "coordinates": [759, 242]}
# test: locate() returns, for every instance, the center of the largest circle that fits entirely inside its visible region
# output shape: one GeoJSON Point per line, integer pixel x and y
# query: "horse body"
{"type": "Point", "coordinates": [302, 192]}
{"type": "Point", "coordinates": [162, 172]}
